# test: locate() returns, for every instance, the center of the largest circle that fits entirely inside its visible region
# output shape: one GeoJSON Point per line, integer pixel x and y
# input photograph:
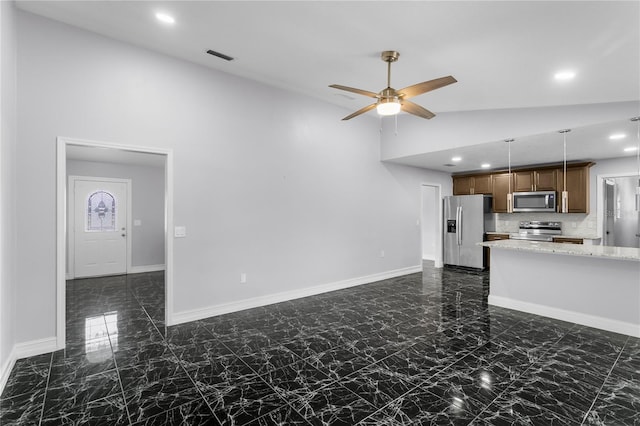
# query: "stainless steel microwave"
{"type": "Point", "coordinates": [537, 201]}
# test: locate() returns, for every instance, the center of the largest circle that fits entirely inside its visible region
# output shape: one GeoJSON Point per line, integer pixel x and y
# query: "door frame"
{"type": "Point", "coordinates": [61, 225]}
{"type": "Point", "coordinates": [439, 254]}
{"type": "Point", "coordinates": [71, 220]}
{"type": "Point", "coordinates": [600, 199]}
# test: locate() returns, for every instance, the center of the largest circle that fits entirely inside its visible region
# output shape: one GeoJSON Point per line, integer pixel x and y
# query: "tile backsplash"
{"type": "Point", "coordinates": [573, 224]}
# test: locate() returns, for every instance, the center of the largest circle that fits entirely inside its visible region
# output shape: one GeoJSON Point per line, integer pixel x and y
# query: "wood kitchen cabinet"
{"type": "Point", "coordinates": [532, 178]}
{"type": "Point", "coordinates": [577, 187]}
{"type": "Point", "coordinates": [487, 250]}
{"type": "Point", "coordinates": [470, 185]}
{"type": "Point", "coordinates": [500, 191]}
{"type": "Point", "coordinates": [535, 180]}
{"type": "Point", "coordinates": [546, 180]}
{"type": "Point", "coordinates": [567, 240]}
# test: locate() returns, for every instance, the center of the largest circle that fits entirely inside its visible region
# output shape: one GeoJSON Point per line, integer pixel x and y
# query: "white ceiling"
{"type": "Point", "coordinates": [503, 53]}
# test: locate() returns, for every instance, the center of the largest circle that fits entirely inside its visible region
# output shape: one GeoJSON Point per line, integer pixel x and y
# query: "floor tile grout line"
{"type": "Point", "coordinates": [522, 374]}
{"type": "Point", "coordinates": [162, 336]}
{"type": "Point", "coordinates": [46, 388]}
{"type": "Point", "coordinates": [595, 399]}
{"type": "Point", "coordinates": [115, 363]}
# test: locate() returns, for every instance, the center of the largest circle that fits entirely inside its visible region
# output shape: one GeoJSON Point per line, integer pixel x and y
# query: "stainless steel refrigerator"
{"type": "Point", "coordinates": [466, 219]}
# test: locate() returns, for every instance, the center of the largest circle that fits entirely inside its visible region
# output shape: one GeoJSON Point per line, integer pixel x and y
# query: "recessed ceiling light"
{"type": "Point", "coordinates": [564, 75]}
{"type": "Point", "coordinates": [163, 17]}
{"type": "Point", "coordinates": [485, 165]}
{"type": "Point", "coordinates": [456, 158]}
{"type": "Point", "coordinates": [630, 149]}
{"type": "Point", "coordinates": [617, 136]}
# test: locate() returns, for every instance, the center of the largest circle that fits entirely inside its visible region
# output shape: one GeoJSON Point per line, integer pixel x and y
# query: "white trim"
{"type": "Point", "coordinates": [145, 268]}
{"type": "Point", "coordinates": [35, 347]}
{"type": "Point", "coordinates": [600, 200]}
{"type": "Point", "coordinates": [254, 302]}
{"type": "Point", "coordinates": [5, 369]}
{"type": "Point", "coordinates": [439, 249]}
{"type": "Point", "coordinates": [71, 273]}
{"type": "Point", "coordinates": [61, 223]}
{"type": "Point", "coordinates": [564, 315]}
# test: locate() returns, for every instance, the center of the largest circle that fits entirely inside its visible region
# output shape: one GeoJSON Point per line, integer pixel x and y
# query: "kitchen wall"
{"type": "Point", "coordinates": [8, 285]}
{"type": "Point", "coordinates": [147, 187]}
{"type": "Point", "coordinates": [267, 182]}
{"type": "Point", "coordinates": [573, 224]}
{"type": "Point", "coordinates": [576, 224]}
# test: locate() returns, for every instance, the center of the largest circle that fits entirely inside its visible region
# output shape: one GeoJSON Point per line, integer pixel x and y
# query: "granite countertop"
{"type": "Point", "coordinates": [584, 237]}
{"type": "Point", "coordinates": [619, 253]}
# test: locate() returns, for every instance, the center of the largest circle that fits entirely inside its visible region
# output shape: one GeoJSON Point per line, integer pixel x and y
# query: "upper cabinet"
{"type": "Point", "coordinates": [577, 187]}
{"type": "Point", "coordinates": [543, 178]}
{"type": "Point", "coordinates": [500, 191]}
{"type": "Point", "coordinates": [535, 180]}
{"type": "Point", "coordinates": [470, 185]}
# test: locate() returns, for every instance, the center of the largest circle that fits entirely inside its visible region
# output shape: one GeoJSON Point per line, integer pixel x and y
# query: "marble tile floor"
{"type": "Point", "coordinates": [418, 349]}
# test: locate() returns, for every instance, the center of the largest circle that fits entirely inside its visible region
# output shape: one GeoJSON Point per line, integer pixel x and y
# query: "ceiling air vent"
{"type": "Point", "coordinates": [220, 55]}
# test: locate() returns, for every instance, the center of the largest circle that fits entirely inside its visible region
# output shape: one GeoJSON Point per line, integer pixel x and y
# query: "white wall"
{"type": "Point", "coordinates": [267, 182]}
{"type": "Point", "coordinates": [7, 187]}
{"type": "Point", "coordinates": [147, 187]}
{"type": "Point", "coordinates": [431, 204]}
{"type": "Point", "coordinates": [464, 128]}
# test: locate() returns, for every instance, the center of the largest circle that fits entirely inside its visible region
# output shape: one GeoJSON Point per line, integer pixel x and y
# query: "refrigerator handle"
{"type": "Point", "coordinates": [459, 226]}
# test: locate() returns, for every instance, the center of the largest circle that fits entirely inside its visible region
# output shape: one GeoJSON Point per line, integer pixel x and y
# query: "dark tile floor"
{"type": "Point", "coordinates": [419, 349]}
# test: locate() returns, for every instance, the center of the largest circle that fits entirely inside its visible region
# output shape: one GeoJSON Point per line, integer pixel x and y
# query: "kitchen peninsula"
{"type": "Point", "coordinates": [597, 286]}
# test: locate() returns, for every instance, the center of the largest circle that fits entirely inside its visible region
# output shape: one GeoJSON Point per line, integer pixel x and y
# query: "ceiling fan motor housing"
{"type": "Point", "coordinates": [390, 56]}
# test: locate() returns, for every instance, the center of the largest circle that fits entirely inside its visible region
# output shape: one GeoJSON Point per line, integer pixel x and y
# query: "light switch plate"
{"type": "Point", "coordinates": [137, 222]}
{"type": "Point", "coordinates": [180, 231]}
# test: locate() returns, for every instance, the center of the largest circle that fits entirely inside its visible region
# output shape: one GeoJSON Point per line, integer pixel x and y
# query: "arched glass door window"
{"type": "Point", "coordinates": [101, 212]}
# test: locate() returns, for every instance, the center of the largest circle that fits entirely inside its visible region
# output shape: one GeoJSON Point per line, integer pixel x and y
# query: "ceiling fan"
{"type": "Point", "coordinates": [391, 101]}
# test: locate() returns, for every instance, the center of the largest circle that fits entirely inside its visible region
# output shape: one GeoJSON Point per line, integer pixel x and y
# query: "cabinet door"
{"type": "Point", "coordinates": [500, 191]}
{"type": "Point", "coordinates": [482, 184]}
{"type": "Point", "coordinates": [523, 181]}
{"type": "Point", "coordinates": [462, 185]}
{"type": "Point", "coordinates": [577, 187]}
{"type": "Point", "coordinates": [545, 180]}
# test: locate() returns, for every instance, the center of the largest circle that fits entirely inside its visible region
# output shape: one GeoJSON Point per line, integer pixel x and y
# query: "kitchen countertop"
{"type": "Point", "coordinates": [619, 253]}
{"type": "Point", "coordinates": [584, 237]}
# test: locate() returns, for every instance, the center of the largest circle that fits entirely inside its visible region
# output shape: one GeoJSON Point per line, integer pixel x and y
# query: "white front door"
{"type": "Point", "coordinates": [100, 234]}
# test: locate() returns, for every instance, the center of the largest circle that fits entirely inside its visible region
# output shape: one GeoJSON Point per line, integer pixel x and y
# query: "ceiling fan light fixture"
{"type": "Point", "coordinates": [388, 106]}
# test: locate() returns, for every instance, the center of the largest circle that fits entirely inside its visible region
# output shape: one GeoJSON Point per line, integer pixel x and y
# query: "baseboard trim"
{"type": "Point", "coordinates": [36, 347]}
{"type": "Point", "coordinates": [145, 268]}
{"type": "Point", "coordinates": [615, 326]}
{"type": "Point", "coordinates": [254, 302]}
{"type": "Point", "coordinates": [6, 368]}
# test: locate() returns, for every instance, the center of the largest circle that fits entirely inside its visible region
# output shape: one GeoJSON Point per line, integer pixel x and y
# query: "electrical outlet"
{"type": "Point", "coordinates": [381, 253]}
{"type": "Point", "coordinates": [243, 278]}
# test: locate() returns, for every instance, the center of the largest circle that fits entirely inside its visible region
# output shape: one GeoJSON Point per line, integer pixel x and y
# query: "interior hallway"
{"type": "Point", "coordinates": [423, 348]}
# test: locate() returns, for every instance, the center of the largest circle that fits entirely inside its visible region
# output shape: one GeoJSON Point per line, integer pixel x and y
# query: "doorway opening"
{"type": "Point", "coordinates": [620, 225]}
{"type": "Point", "coordinates": [431, 223]}
{"type": "Point", "coordinates": [107, 160]}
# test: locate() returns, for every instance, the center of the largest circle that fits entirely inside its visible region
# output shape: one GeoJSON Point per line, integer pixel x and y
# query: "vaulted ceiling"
{"type": "Point", "coordinates": [504, 54]}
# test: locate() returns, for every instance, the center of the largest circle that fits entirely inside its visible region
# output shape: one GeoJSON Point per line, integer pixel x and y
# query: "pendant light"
{"type": "Point", "coordinates": [509, 194]}
{"type": "Point", "coordinates": [637, 120]}
{"type": "Point", "coordinates": [565, 193]}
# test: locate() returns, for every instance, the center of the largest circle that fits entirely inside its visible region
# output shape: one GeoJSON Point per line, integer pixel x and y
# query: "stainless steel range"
{"type": "Point", "coordinates": [537, 231]}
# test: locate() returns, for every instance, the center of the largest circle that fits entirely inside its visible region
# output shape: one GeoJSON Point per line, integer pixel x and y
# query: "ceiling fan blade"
{"type": "Point", "coordinates": [354, 90]}
{"type": "Point", "coordinates": [360, 111]}
{"type": "Point", "coordinates": [415, 109]}
{"type": "Point", "coordinates": [425, 86]}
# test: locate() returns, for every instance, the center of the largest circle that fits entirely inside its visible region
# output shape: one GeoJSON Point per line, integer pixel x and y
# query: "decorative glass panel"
{"type": "Point", "coordinates": [101, 212]}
